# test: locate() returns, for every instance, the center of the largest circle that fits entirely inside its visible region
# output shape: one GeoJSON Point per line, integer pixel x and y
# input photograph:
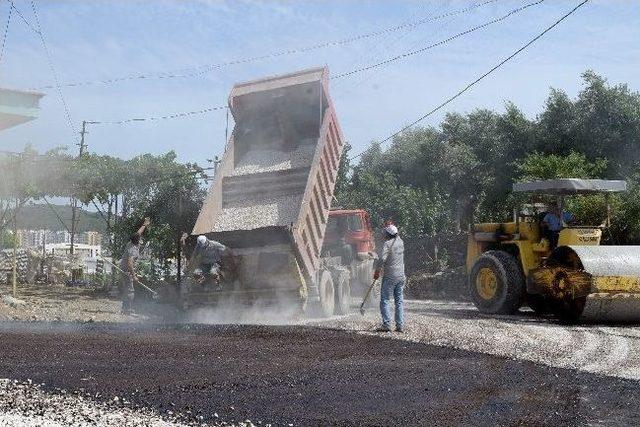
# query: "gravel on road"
{"type": "Point", "coordinates": [612, 350]}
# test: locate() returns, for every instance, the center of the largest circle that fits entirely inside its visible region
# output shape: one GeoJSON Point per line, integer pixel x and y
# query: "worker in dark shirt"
{"type": "Point", "coordinates": [207, 259]}
{"type": "Point", "coordinates": [128, 266]}
{"type": "Point", "coordinates": [553, 223]}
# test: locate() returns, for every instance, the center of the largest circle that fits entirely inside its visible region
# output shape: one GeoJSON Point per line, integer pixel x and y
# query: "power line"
{"type": "Point", "coordinates": [167, 117]}
{"type": "Point", "coordinates": [473, 83]}
{"type": "Point", "coordinates": [6, 31]}
{"type": "Point", "coordinates": [203, 69]}
{"type": "Point", "coordinates": [383, 46]}
{"type": "Point", "coordinates": [440, 43]}
{"type": "Point", "coordinates": [53, 69]}
{"type": "Point", "coordinates": [359, 70]}
{"type": "Point", "coordinates": [25, 20]}
{"type": "Point", "coordinates": [367, 77]}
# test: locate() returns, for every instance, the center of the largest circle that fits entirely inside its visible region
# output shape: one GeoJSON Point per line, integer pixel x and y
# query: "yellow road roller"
{"type": "Point", "coordinates": [565, 271]}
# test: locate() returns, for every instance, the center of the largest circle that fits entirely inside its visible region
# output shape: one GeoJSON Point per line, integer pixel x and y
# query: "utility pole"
{"type": "Point", "coordinates": [14, 275]}
{"type": "Point", "coordinates": [215, 162]}
{"type": "Point", "coordinates": [179, 266]}
{"type": "Point", "coordinates": [74, 201]}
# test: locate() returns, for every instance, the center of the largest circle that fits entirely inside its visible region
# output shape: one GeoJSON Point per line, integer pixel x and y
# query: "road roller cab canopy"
{"type": "Point", "coordinates": [568, 186]}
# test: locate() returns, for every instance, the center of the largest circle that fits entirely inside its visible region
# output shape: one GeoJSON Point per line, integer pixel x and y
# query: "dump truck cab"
{"type": "Point", "coordinates": [350, 227]}
{"type": "Point", "coordinates": [350, 237]}
{"type": "Point", "coordinates": [516, 262]}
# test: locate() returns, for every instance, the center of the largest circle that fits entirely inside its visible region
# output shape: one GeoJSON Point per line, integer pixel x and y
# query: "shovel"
{"type": "Point", "coordinates": [154, 294]}
{"type": "Point", "coordinates": [366, 296]}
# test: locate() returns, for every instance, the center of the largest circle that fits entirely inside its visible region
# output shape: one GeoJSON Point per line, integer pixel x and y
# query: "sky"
{"type": "Point", "coordinates": [93, 40]}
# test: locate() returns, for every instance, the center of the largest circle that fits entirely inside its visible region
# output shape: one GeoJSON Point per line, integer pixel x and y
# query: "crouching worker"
{"type": "Point", "coordinates": [206, 261]}
{"type": "Point", "coordinates": [391, 263]}
{"type": "Point", "coordinates": [128, 266]}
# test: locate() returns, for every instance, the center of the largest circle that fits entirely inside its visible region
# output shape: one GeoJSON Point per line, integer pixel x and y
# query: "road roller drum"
{"type": "Point", "coordinates": [591, 283]}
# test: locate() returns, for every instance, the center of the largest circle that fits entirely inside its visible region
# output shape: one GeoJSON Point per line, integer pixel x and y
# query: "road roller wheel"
{"type": "Point", "coordinates": [496, 283]}
{"type": "Point", "coordinates": [569, 311]}
{"type": "Point", "coordinates": [538, 304]}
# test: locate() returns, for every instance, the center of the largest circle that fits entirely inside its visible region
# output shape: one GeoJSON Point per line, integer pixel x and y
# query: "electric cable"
{"type": "Point", "coordinates": [53, 70]}
{"type": "Point", "coordinates": [6, 31]}
{"type": "Point", "coordinates": [203, 69]}
{"type": "Point", "coordinates": [167, 117]}
{"type": "Point", "coordinates": [440, 43]}
{"type": "Point", "coordinates": [482, 77]}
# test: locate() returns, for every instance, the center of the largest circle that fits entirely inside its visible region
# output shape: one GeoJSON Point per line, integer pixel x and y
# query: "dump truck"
{"type": "Point", "coordinates": [514, 263]}
{"type": "Point", "coordinates": [271, 196]}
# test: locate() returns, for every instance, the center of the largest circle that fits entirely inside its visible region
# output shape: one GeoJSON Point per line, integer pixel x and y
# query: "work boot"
{"type": "Point", "coordinates": [383, 328]}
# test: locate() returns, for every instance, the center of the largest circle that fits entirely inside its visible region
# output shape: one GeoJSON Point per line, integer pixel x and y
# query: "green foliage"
{"type": "Point", "coordinates": [6, 239]}
{"type": "Point", "coordinates": [550, 166]}
{"type": "Point", "coordinates": [432, 179]}
{"type": "Point", "coordinates": [124, 191]}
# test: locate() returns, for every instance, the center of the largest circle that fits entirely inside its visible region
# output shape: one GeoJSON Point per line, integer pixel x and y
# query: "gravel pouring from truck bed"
{"type": "Point", "coordinates": [296, 375]}
{"type": "Point", "coordinates": [257, 161]}
{"type": "Point", "coordinates": [252, 213]}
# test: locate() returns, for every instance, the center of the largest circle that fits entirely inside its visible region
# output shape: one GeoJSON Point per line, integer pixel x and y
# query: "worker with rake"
{"type": "Point", "coordinates": [128, 265]}
{"type": "Point", "coordinates": [391, 263]}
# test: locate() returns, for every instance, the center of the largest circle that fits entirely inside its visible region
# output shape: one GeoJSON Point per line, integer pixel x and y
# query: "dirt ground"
{"type": "Point", "coordinates": [60, 303]}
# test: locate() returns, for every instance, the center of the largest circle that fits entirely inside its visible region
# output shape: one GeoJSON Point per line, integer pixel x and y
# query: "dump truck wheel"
{"type": "Point", "coordinates": [496, 283]}
{"type": "Point", "coordinates": [326, 303]}
{"type": "Point", "coordinates": [342, 292]}
{"type": "Point", "coordinates": [361, 276]}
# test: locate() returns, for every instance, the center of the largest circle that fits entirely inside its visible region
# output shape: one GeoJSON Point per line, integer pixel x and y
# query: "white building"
{"type": "Point", "coordinates": [35, 238]}
{"type": "Point", "coordinates": [80, 249]}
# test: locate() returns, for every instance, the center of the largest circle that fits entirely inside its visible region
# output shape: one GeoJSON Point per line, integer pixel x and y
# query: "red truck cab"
{"type": "Point", "coordinates": [350, 227]}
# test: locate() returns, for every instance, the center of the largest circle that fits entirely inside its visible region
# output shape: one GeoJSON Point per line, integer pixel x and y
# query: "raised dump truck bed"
{"type": "Point", "coordinates": [272, 193]}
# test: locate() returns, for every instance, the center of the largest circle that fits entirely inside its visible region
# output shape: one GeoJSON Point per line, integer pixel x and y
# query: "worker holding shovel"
{"type": "Point", "coordinates": [391, 262]}
{"type": "Point", "coordinates": [128, 265]}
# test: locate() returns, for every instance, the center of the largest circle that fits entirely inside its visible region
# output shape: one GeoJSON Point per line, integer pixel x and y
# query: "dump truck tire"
{"type": "Point", "coordinates": [496, 283]}
{"type": "Point", "coordinates": [342, 292]}
{"type": "Point", "coordinates": [325, 306]}
{"type": "Point", "coordinates": [361, 276]}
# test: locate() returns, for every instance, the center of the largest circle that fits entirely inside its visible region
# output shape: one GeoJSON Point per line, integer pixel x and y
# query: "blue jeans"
{"type": "Point", "coordinates": [395, 287]}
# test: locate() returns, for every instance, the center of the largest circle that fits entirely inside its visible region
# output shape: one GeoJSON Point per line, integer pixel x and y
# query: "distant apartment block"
{"type": "Point", "coordinates": [36, 238]}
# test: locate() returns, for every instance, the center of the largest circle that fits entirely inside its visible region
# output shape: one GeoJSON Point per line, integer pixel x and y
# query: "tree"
{"type": "Point", "coordinates": [465, 168]}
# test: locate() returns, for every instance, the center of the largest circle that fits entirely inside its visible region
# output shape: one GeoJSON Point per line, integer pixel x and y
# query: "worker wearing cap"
{"type": "Point", "coordinates": [207, 257]}
{"type": "Point", "coordinates": [391, 262]}
{"type": "Point", "coordinates": [128, 265]}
